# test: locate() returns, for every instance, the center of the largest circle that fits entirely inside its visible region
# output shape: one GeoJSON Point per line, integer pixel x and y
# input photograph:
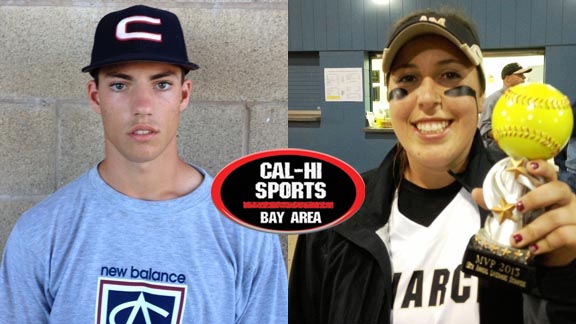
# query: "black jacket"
{"type": "Point", "coordinates": [343, 275]}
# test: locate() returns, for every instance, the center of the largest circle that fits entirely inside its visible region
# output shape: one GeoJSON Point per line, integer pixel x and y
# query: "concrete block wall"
{"type": "Point", "coordinates": [49, 133]}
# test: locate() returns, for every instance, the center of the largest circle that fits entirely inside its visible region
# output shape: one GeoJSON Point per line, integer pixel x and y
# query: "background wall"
{"type": "Point", "coordinates": [49, 133]}
{"type": "Point", "coordinates": [340, 33]}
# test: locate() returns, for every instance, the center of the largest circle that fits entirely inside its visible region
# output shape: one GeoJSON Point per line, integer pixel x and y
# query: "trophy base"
{"type": "Point", "coordinates": [487, 259]}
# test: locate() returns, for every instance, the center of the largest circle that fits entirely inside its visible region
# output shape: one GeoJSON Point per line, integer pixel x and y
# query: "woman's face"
{"type": "Point", "coordinates": [435, 128]}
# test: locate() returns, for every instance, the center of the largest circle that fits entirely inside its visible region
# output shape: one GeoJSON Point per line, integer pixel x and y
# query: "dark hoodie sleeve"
{"type": "Point", "coordinates": [304, 283]}
{"type": "Point", "coordinates": [554, 299]}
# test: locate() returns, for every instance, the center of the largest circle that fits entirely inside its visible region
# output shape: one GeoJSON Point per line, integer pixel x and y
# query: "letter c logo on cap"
{"type": "Point", "coordinates": [123, 35]}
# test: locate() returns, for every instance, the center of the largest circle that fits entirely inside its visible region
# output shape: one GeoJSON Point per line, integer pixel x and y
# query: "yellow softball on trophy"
{"type": "Point", "coordinates": [532, 120]}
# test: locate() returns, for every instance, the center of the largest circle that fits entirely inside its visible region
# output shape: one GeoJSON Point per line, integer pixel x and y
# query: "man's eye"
{"type": "Point", "coordinates": [117, 86]}
{"type": "Point", "coordinates": [164, 85]}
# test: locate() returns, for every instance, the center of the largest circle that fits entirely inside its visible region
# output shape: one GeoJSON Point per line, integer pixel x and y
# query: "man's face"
{"type": "Point", "coordinates": [515, 79]}
{"type": "Point", "coordinates": [140, 104]}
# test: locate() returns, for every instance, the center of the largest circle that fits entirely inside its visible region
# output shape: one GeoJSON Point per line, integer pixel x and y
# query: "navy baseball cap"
{"type": "Point", "coordinates": [139, 33]}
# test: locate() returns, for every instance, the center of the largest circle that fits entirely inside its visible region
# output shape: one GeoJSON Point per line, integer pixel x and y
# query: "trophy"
{"type": "Point", "coordinates": [530, 121]}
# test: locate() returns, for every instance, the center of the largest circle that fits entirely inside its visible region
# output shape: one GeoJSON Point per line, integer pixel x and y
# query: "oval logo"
{"type": "Point", "coordinates": [288, 191]}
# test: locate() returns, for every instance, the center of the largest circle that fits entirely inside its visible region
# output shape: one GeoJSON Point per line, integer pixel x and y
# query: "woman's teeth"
{"type": "Point", "coordinates": [432, 127]}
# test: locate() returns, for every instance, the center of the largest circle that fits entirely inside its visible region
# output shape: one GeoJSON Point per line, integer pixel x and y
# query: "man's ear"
{"type": "Point", "coordinates": [93, 97]}
{"type": "Point", "coordinates": [186, 90]}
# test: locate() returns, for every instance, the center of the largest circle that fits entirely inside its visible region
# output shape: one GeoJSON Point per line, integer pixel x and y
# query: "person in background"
{"type": "Point", "coordinates": [137, 238]}
{"type": "Point", "coordinates": [512, 74]}
{"type": "Point", "coordinates": [398, 259]}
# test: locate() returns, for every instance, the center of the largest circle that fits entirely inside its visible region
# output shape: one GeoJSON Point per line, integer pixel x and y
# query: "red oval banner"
{"type": "Point", "coordinates": [288, 191]}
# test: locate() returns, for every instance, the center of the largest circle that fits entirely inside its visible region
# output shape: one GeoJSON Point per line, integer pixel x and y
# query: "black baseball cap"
{"type": "Point", "coordinates": [514, 68]}
{"type": "Point", "coordinates": [139, 33]}
{"type": "Point", "coordinates": [437, 24]}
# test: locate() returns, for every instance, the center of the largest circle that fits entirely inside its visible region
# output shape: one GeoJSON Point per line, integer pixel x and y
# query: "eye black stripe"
{"type": "Point", "coordinates": [397, 94]}
{"type": "Point", "coordinates": [460, 92]}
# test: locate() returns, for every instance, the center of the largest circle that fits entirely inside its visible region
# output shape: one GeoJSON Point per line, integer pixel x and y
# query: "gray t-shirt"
{"type": "Point", "coordinates": [89, 254]}
{"type": "Point", "coordinates": [486, 118]}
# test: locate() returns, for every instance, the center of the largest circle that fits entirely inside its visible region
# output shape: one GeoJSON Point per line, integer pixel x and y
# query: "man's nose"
{"type": "Point", "coordinates": [142, 101]}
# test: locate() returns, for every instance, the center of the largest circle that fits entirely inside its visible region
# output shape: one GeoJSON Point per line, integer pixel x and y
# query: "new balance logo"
{"type": "Point", "coordinates": [139, 302]}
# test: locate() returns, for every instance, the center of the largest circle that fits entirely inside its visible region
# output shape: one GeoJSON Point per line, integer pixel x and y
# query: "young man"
{"type": "Point", "coordinates": [512, 74]}
{"type": "Point", "coordinates": [137, 238]}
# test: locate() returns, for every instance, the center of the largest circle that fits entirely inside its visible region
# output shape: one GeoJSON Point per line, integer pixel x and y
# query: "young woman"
{"type": "Point", "coordinates": [398, 260]}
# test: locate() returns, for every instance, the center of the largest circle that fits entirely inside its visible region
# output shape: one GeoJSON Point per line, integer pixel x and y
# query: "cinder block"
{"type": "Point", "coordinates": [11, 211]}
{"type": "Point", "coordinates": [268, 126]}
{"type": "Point", "coordinates": [28, 146]}
{"type": "Point", "coordinates": [43, 50]}
{"type": "Point", "coordinates": [82, 141]}
{"type": "Point", "coordinates": [291, 246]}
{"type": "Point", "coordinates": [242, 54]}
{"type": "Point", "coordinates": [212, 134]}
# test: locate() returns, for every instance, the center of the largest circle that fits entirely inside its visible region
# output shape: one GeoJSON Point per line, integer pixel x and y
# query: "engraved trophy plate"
{"type": "Point", "coordinates": [489, 253]}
